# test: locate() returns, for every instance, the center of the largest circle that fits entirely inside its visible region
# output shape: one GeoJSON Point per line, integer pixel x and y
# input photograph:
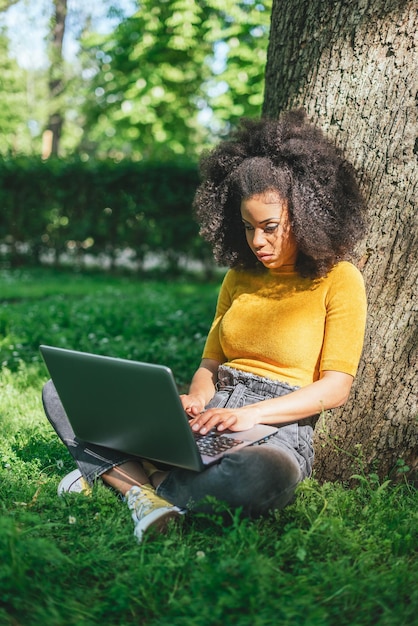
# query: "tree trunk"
{"type": "Point", "coordinates": [52, 134]}
{"type": "Point", "coordinates": [352, 64]}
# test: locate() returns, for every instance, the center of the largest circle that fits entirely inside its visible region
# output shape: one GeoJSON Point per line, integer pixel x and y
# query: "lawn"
{"type": "Point", "coordinates": [337, 555]}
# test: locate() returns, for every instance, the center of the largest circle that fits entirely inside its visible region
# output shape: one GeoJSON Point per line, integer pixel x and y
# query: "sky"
{"type": "Point", "coordinates": [27, 25]}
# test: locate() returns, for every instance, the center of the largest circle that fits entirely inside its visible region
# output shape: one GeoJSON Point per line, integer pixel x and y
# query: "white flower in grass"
{"type": "Point", "coordinates": [200, 554]}
{"type": "Point", "coordinates": [60, 464]}
{"type": "Point", "coordinates": [71, 519]}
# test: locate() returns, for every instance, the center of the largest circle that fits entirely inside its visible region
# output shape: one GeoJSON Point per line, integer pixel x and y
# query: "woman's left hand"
{"type": "Point", "coordinates": [243, 418]}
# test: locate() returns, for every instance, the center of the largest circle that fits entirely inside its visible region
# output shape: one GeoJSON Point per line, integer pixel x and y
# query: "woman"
{"type": "Point", "coordinates": [281, 208]}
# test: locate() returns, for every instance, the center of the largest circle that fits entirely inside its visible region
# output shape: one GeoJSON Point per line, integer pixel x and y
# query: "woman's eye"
{"type": "Point", "coordinates": [270, 228]}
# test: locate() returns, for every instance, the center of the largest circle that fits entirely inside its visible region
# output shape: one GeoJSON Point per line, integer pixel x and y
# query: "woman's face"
{"type": "Point", "coordinates": [268, 231]}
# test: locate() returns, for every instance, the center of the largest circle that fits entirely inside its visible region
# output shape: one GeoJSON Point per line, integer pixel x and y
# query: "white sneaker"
{"type": "Point", "coordinates": [148, 509]}
{"type": "Point", "coordinates": [74, 482]}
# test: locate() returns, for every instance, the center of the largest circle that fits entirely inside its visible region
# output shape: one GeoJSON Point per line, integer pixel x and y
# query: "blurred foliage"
{"type": "Point", "coordinates": [166, 64]}
{"type": "Point", "coordinates": [5, 4]}
{"type": "Point", "coordinates": [100, 208]}
{"type": "Point", "coordinates": [149, 76]}
{"type": "Point", "coordinates": [238, 89]}
{"type": "Point", "coordinates": [167, 81]}
{"type": "Point", "coordinates": [19, 93]}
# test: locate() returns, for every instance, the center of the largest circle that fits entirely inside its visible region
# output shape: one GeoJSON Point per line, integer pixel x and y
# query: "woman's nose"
{"type": "Point", "coordinates": [259, 238]}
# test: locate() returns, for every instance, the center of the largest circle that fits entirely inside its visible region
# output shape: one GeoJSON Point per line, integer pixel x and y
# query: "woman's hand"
{"type": "Point", "coordinates": [202, 388]}
{"type": "Point", "coordinates": [193, 404]}
{"type": "Point", "coordinates": [225, 419]}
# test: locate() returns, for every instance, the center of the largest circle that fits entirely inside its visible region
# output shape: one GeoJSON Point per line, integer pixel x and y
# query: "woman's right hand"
{"type": "Point", "coordinates": [201, 389]}
{"type": "Point", "coordinates": [193, 404]}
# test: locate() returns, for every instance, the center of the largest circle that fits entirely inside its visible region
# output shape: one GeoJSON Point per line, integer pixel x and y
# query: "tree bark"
{"type": "Point", "coordinates": [352, 64]}
{"type": "Point", "coordinates": [52, 134]}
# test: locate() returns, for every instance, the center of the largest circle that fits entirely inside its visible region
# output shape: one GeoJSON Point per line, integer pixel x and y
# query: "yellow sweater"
{"type": "Point", "coordinates": [281, 326]}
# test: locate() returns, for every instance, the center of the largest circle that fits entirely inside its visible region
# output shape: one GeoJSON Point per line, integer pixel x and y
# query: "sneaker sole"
{"type": "Point", "coordinates": [158, 524]}
{"type": "Point", "coordinates": [69, 484]}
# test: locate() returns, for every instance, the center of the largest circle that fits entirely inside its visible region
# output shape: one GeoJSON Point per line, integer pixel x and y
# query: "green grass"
{"type": "Point", "coordinates": [134, 319]}
{"type": "Point", "coordinates": [335, 556]}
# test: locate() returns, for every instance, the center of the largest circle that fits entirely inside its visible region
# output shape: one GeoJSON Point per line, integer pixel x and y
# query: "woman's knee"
{"type": "Point", "coordinates": [55, 412]}
{"type": "Point", "coordinates": [260, 479]}
{"type": "Point", "coordinates": [50, 397]}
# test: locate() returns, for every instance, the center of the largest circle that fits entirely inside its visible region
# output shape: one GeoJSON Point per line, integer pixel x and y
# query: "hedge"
{"type": "Point", "coordinates": [66, 209]}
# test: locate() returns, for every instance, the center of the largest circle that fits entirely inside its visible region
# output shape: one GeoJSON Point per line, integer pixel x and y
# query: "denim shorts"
{"type": "Point", "coordinates": [236, 388]}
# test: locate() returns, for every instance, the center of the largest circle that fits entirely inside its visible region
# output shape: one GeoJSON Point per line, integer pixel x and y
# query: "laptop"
{"type": "Point", "coordinates": [135, 408]}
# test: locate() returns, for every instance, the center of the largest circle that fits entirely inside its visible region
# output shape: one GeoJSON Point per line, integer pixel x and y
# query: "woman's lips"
{"type": "Point", "coordinates": [263, 256]}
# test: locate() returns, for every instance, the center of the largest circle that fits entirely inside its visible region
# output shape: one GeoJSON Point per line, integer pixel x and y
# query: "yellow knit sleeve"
{"type": "Point", "coordinates": [212, 349]}
{"type": "Point", "coordinates": [346, 320]}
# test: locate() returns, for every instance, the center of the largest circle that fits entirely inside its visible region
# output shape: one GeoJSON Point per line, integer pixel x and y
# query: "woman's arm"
{"type": "Point", "coordinates": [330, 391]}
{"type": "Point", "coordinates": [202, 387]}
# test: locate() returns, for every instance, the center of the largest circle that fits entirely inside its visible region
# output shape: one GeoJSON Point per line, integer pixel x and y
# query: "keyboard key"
{"type": "Point", "coordinates": [213, 444]}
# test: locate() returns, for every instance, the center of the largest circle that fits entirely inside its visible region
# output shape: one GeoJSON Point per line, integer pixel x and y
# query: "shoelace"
{"type": "Point", "coordinates": [143, 503]}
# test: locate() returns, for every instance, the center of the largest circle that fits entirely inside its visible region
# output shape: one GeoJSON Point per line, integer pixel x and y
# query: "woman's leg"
{"type": "Point", "coordinates": [257, 479]}
{"type": "Point", "coordinates": [123, 473]}
{"type": "Point", "coordinates": [123, 477]}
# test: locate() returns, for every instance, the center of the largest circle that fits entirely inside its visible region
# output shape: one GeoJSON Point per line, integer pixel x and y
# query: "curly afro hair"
{"type": "Point", "coordinates": [295, 159]}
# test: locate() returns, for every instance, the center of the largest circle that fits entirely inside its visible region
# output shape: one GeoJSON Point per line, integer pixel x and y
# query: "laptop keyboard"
{"type": "Point", "coordinates": [213, 444]}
